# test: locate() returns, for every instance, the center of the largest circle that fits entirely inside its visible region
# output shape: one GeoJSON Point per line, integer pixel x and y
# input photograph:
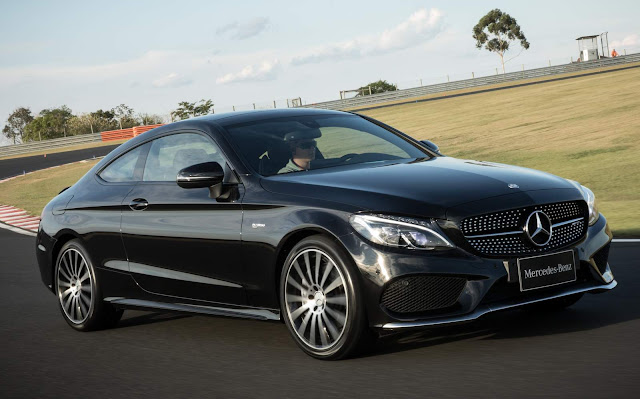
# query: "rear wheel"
{"type": "Point", "coordinates": [320, 300]}
{"type": "Point", "coordinates": [79, 295]}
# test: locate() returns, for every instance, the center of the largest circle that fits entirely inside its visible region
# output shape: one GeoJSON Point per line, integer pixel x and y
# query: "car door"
{"type": "Point", "coordinates": [94, 209]}
{"type": "Point", "coordinates": [181, 242]}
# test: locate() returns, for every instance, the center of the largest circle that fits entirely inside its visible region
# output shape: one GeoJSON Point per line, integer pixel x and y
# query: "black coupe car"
{"type": "Point", "coordinates": [335, 223]}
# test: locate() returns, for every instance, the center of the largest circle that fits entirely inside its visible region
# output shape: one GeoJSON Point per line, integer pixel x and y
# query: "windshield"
{"type": "Point", "coordinates": [298, 144]}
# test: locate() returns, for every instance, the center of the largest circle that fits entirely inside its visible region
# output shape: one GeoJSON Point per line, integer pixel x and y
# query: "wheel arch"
{"type": "Point", "coordinates": [63, 238]}
{"type": "Point", "coordinates": [290, 240]}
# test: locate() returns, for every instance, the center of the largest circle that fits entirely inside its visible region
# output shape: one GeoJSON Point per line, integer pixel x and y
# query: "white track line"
{"type": "Point", "coordinates": [18, 220]}
{"type": "Point", "coordinates": [17, 230]}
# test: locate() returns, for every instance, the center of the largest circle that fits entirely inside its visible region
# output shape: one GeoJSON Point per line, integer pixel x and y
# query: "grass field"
{"type": "Point", "coordinates": [20, 191]}
{"type": "Point", "coordinates": [586, 129]}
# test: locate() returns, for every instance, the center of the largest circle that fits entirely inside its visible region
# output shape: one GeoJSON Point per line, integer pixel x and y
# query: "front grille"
{"type": "Point", "coordinates": [415, 294]}
{"type": "Point", "coordinates": [502, 233]}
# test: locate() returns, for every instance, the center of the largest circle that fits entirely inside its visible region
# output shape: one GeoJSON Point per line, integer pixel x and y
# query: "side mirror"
{"type": "Point", "coordinates": [431, 145]}
{"type": "Point", "coordinates": [201, 175]}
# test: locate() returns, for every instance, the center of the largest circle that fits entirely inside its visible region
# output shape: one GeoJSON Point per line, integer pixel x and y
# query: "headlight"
{"type": "Point", "coordinates": [590, 198]}
{"type": "Point", "coordinates": [593, 207]}
{"type": "Point", "coordinates": [399, 232]}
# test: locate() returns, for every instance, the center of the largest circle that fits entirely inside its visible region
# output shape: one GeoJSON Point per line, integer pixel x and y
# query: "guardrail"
{"type": "Point", "coordinates": [471, 83]}
{"type": "Point", "coordinates": [34, 146]}
{"type": "Point", "coordinates": [18, 149]}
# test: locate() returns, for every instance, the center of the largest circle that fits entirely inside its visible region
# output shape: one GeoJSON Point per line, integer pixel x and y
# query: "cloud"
{"type": "Point", "coordinates": [227, 28]}
{"type": "Point", "coordinates": [266, 70]}
{"type": "Point", "coordinates": [245, 30]}
{"type": "Point", "coordinates": [142, 64]}
{"type": "Point", "coordinates": [171, 80]}
{"type": "Point", "coordinates": [628, 41]}
{"type": "Point", "coordinates": [421, 26]}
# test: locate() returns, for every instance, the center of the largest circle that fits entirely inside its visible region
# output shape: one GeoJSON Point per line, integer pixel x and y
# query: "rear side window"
{"type": "Point", "coordinates": [123, 168]}
{"type": "Point", "coordinates": [169, 154]}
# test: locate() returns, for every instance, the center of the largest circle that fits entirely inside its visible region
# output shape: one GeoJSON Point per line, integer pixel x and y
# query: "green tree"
{"type": "Point", "coordinates": [50, 123]}
{"type": "Point", "coordinates": [80, 124]}
{"type": "Point", "coordinates": [16, 123]}
{"type": "Point", "coordinates": [376, 87]}
{"type": "Point", "coordinates": [188, 110]}
{"type": "Point", "coordinates": [496, 30]}
{"type": "Point", "coordinates": [102, 120]}
{"type": "Point", "coordinates": [124, 116]}
{"type": "Point", "coordinates": [149, 119]}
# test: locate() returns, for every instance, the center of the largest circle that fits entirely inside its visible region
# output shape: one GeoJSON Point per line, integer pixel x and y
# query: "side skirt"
{"type": "Point", "coordinates": [247, 313]}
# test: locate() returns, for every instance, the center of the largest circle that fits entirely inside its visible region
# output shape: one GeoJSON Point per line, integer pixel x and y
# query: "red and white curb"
{"type": "Point", "coordinates": [17, 217]}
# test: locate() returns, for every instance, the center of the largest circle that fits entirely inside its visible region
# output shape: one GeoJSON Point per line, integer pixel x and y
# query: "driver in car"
{"type": "Point", "coordinates": [303, 151]}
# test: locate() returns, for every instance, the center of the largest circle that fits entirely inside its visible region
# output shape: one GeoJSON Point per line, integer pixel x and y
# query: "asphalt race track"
{"type": "Point", "coordinates": [590, 350]}
{"type": "Point", "coordinates": [17, 166]}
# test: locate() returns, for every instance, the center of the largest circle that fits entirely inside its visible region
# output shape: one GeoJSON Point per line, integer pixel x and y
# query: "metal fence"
{"type": "Point", "coordinates": [389, 96]}
{"type": "Point", "coordinates": [44, 145]}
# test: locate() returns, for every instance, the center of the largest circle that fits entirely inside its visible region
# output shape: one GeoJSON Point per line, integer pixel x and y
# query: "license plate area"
{"type": "Point", "coordinates": [546, 270]}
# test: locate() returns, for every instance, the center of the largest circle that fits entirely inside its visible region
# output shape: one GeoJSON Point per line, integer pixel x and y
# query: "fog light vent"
{"type": "Point", "coordinates": [601, 257]}
{"type": "Point", "coordinates": [414, 294]}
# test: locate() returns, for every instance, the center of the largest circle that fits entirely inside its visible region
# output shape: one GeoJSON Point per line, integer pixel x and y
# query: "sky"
{"type": "Point", "coordinates": [150, 55]}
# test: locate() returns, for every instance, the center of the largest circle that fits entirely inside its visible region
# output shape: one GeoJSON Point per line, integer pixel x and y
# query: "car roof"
{"type": "Point", "coordinates": [209, 122]}
{"type": "Point", "coordinates": [231, 118]}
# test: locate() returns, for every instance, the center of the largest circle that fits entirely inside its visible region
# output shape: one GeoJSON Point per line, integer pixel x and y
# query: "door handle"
{"type": "Point", "coordinates": [138, 204]}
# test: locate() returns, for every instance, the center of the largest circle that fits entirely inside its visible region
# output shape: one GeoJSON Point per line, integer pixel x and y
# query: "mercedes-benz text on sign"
{"type": "Point", "coordinates": [547, 270]}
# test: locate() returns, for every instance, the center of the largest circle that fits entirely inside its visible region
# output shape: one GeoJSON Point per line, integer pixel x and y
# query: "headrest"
{"type": "Point", "coordinates": [306, 134]}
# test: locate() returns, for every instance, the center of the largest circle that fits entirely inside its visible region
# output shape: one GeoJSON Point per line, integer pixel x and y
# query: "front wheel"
{"type": "Point", "coordinates": [321, 302]}
{"type": "Point", "coordinates": [79, 295]}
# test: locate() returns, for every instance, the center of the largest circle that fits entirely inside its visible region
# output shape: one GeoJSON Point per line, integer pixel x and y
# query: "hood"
{"type": "Point", "coordinates": [425, 187]}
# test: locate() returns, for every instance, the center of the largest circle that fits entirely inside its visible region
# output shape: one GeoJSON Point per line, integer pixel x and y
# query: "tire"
{"type": "Point", "coordinates": [556, 304]}
{"type": "Point", "coordinates": [78, 291]}
{"type": "Point", "coordinates": [321, 300]}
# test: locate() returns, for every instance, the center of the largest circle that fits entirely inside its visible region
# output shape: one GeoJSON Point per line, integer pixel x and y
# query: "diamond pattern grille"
{"type": "Point", "coordinates": [513, 220]}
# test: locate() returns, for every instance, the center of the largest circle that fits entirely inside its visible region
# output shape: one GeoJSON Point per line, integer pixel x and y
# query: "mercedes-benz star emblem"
{"type": "Point", "coordinates": [538, 228]}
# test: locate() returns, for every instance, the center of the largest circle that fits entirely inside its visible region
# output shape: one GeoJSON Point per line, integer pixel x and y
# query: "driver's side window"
{"type": "Point", "coordinates": [169, 154]}
{"type": "Point", "coordinates": [338, 141]}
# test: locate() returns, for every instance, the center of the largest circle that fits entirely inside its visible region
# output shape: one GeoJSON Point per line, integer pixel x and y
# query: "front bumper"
{"type": "Point", "coordinates": [495, 307]}
{"type": "Point", "coordinates": [490, 283]}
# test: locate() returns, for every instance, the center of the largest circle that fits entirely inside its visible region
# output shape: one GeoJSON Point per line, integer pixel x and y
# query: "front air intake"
{"type": "Point", "coordinates": [416, 294]}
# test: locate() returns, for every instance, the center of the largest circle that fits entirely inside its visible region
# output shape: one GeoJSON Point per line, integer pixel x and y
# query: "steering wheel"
{"type": "Point", "coordinates": [347, 157]}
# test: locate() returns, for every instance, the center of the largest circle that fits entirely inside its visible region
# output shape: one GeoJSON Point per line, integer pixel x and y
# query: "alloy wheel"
{"type": "Point", "coordinates": [75, 286]}
{"type": "Point", "coordinates": [316, 299]}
